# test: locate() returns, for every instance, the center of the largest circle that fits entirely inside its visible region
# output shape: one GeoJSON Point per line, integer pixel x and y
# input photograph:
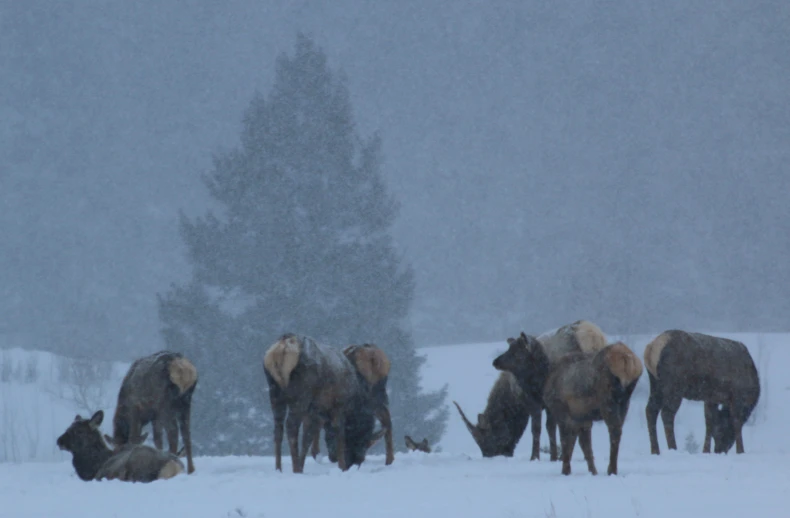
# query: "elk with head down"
{"type": "Point", "coordinates": [508, 409]}
{"type": "Point", "coordinates": [577, 389]}
{"type": "Point", "coordinates": [93, 460]}
{"type": "Point", "coordinates": [157, 389]}
{"type": "Point", "coordinates": [704, 368]}
{"type": "Point", "coordinates": [373, 369]}
{"type": "Point", "coordinates": [311, 383]}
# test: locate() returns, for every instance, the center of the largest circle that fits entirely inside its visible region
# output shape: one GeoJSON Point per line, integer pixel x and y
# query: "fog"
{"type": "Point", "coordinates": [624, 162]}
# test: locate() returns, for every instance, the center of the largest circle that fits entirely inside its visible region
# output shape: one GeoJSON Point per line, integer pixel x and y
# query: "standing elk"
{"type": "Point", "coordinates": [577, 389]}
{"type": "Point", "coordinates": [312, 383]}
{"type": "Point", "coordinates": [157, 389]}
{"type": "Point", "coordinates": [373, 368]}
{"type": "Point", "coordinates": [93, 460]}
{"type": "Point", "coordinates": [704, 368]}
{"type": "Point", "coordinates": [508, 410]}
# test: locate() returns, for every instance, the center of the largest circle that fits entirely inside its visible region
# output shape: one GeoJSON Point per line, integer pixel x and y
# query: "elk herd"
{"type": "Point", "coordinates": [572, 374]}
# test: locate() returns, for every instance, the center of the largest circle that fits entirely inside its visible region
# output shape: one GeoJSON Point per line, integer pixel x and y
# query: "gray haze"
{"type": "Point", "coordinates": [621, 161]}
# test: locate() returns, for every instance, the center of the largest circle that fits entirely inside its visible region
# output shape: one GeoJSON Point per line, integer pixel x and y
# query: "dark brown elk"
{"type": "Point", "coordinates": [706, 368]}
{"type": "Point", "coordinates": [157, 389]}
{"type": "Point", "coordinates": [373, 368]}
{"type": "Point", "coordinates": [312, 383]}
{"type": "Point", "coordinates": [577, 389]}
{"type": "Point", "coordinates": [93, 460]}
{"type": "Point", "coordinates": [508, 410]}
{"type": "Point", "coordinates": [501, 425]}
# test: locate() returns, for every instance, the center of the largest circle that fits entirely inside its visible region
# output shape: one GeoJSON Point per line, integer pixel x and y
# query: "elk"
{"type": "Point", "coordinates": [508, 410]}
{"type": "Point", "coordinates": [312, 383]}
{"type": "Point", "coordinates": [706, 368]}
{"type": "Point", "coordinates": [93, 460]}
{"type": "Point", "coordinates": [577, 390]}
{"type": "Point", "coordinates": [373, 367]}
{"type": "Point", "coordinates": [501, 425]}
{"type": "Point", "coordinates": [412, 445]}
{"type": "Point", "coordinates": [157, 389]}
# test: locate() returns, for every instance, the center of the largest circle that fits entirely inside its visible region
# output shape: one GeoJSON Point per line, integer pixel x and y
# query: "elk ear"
{"type": "Point", "coordinates": [77, 418]}
{"type": "Point", "coordinates": [97, 418]}
{"type": "Point", "coordinates": [482, 422]}
{"type": "Point", "coordinates": [511, 341]}
{"type": "Point", "coordinates": [523, 335]}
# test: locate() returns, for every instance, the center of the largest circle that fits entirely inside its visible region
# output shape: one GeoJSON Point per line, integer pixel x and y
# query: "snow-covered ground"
{"type": "Point", "coordinates": [456, 481]}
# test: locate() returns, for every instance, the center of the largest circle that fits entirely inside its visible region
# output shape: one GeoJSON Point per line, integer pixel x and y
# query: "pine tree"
{"type": "Point", "coordinates": [302, 244]}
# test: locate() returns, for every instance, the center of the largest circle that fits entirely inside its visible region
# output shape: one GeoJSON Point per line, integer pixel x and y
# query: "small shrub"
{"type": "Point", "coordinates": [6, 367]}
{"type": "Point", "coordinates": [692, 446]}
{"type": "Point", "coordinates": [31, 369]}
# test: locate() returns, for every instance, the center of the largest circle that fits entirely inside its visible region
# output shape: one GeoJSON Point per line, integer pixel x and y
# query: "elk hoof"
{"type": "Point", "coordinates": [611, 471]}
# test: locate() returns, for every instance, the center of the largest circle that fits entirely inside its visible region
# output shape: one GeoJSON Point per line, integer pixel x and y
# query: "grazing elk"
{"type": "Point", "coordinates": [508, 410]}
{"type": "Point", "coordinates": [93, 460]}
{"type": "Point", "coordinates": [704, 368]}
{"type": "Point", "coordinates": [157, 389]}
{"type": "Point", "coordinates": [313, 383]}
{"type": "Point", "coordinates": [373, 368]}
{"type": "Point", "coordinates": [501, 425]}
{"type": "Point", "coordinates": [577, 389]}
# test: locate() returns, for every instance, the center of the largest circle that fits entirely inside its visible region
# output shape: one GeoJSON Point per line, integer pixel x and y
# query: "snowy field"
{"type": "Point", "coordinates": [37, 480]}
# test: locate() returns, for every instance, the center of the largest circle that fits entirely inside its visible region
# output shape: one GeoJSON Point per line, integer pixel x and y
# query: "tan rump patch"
{"type": "Point", "coordinates": [653, 353]}
{"type": "Point", "coordinates": [623, 363]}
{"type": "Point", "coordinates": [281, 359]}
{"type": "Point", "coordinates": [182, 373]}
{"type": "Point", "coordinates": [371, 362]}
{"type": "Point", "coordinates": [590, 337]}
{"type": "Point", "coordinates": [170, 469]}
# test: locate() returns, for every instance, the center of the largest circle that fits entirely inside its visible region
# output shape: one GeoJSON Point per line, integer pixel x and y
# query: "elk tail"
{"type": "Point", "coordinates": [182, 373]}
{"type": "Point", "coordinates": [281, 359]}
{"type": "Point", "coordinates": [623, 363]}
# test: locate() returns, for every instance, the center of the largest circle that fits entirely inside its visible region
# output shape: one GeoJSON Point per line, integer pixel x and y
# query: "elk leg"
{"type": "Point", "coordinates": [278, 409]}
{"type": "Point", "coordinates": [292, 424]}
{"type": "Point", "coordinates": [737, 426]}
{"type": "Point", "coordinates": [568, 440]}
{"type": "Point", "coordinates": [339, 425]}
{"type": "Point", "coordinates": [651, 413]}
{"type": "Point", "coordinates": [384, 416]}
{"type": "Point", "coordinates": [710, 415]}
{"type": "Point", "coordinates": [171, 429]}
{"type": "Point", "coordinates": [156, 424]}
{"type": "Point", "coordinates": [135, 428]}
{"type": "Point", "coordinates": [309, 433]}
{"type": "Point", "coordinates": [671, 407]}
{"type": "Point", "coordinates": [536, 416]}
{"type": "Point", "coordinates": [551, 429]}
{"type": "Point", "coordinates": [186, 435]}
{"type": "Point", "coordinates": [316, 446]}
{"type": "Point", "coordinates": [615, 432]}
{"type": "Point", "coordinates": [585, 441]}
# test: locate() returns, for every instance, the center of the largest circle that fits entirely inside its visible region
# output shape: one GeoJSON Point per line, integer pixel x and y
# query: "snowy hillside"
{"type": "Point", "coordinates": [35, 408]}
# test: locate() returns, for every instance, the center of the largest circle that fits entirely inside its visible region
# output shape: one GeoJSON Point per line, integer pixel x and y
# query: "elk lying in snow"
{"type": "Point", "coordinates": [314, 383]}
{"type": "Point", "coordinates": [577, 389]}
{"type": "Point", "coordinates": [705, 368]}
{"type": "Point", "coordinates": [373, 368]}
{"type": "Point", "coordinates": [412, 445]}
{"type": "Point", "coordinates": [504, 419]}
{"type": "Point", "coordinates": [93, 460]}
{"type": "Point", "coordinates": [157, 389]}
{"type": "Point", "coordinates": [508, 410]}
